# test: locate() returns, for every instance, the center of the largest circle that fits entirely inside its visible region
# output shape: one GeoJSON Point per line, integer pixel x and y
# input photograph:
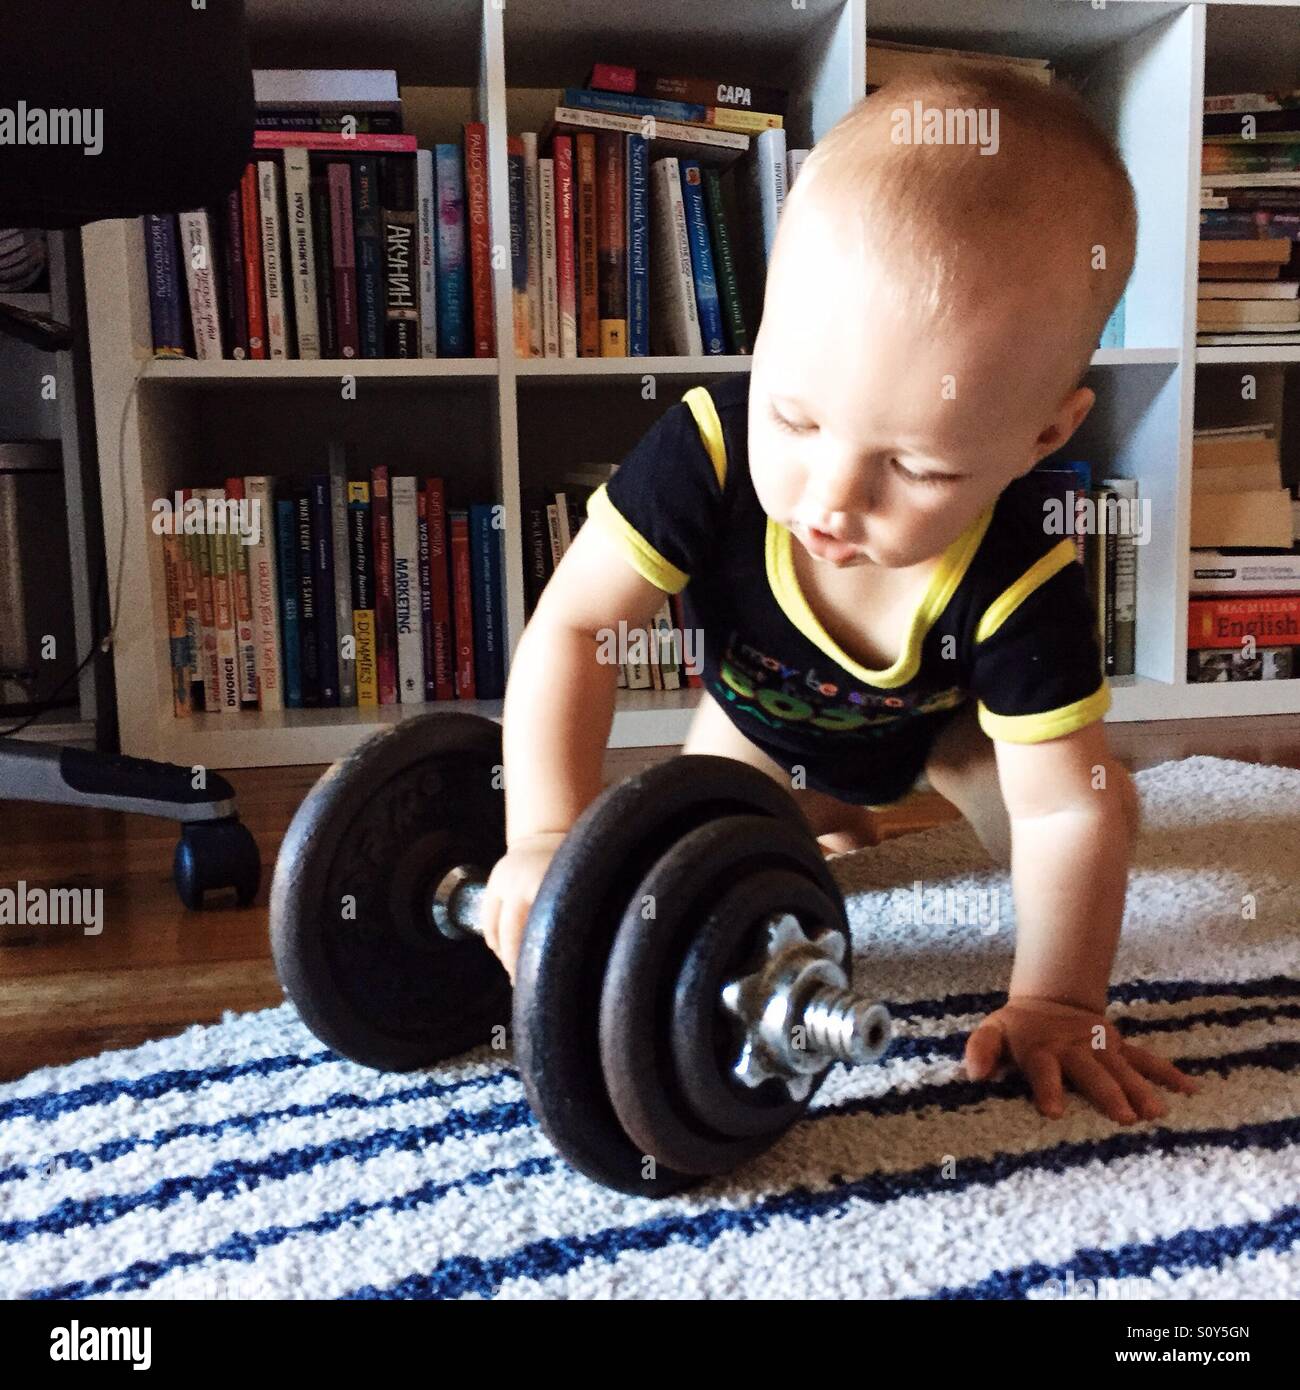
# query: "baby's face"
{"type": "Point", "coordinates": [876, 442]}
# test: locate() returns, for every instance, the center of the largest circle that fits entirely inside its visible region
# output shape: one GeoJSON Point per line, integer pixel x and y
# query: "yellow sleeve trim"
{"type": "Point", "coordinates": [1015, 594]}
{"type": "Point", "coordinates": [710, 427]}
{"type": "Point", "coordinates": [642, 556]}
{"type": "Point", "coordinates": [1052, 723]}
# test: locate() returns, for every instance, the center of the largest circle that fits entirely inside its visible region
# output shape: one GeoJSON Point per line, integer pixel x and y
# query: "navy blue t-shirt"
{"type": "Point", "coordinates": [1005, 619]}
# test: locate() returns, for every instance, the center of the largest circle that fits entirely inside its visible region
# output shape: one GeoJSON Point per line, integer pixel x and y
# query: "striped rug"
{"type": "Point", "coordinates": [244, 1160]}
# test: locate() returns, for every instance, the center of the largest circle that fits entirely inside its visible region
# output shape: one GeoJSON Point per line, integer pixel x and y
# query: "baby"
{"type": "Point", "coordinates": [877, 595]}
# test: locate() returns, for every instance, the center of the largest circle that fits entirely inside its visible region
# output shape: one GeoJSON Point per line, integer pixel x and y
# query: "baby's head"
{"type": "Point", "coordinates": [931, 310]}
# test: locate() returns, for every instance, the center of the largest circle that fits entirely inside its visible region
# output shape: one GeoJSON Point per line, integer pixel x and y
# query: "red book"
{"type": "Point", "coordinates": [588, 303]}
{"type": "Point", "coordinates": [253, 262]}
{"type": "Point", "coordinates": [381, 521]}
{"type": "Point", "coordinates": [444, 659]}
{"type": "Point", "coordinates": [463, 601]}
{"type": "Point", "coordinates": [1273, 620]}
{"type": "Point", "coordinates": [566, 279]}
{"type": "Point", "coordinates": [343, 254]}
{"type": "Point", "coordinates": [611, 244]}
{"type": "Point", "coordinates": [361, 143]}
{"type": "Point", "coordinates": [476, 218]}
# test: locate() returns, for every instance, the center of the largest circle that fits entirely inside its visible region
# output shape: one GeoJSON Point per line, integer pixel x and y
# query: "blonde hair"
{"type": "Point", "coordinates": [958, 222]}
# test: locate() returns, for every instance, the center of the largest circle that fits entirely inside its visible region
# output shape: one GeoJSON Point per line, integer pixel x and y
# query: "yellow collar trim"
{"type": "Point", "coordinates": [947, 575]}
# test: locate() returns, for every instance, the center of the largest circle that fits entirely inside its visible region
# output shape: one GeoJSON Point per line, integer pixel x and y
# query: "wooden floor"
{"type": "Point", "coordinates": [155, 968]}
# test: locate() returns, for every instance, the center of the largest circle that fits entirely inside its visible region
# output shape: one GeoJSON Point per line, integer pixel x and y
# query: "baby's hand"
{"type": "Point", "coordinates": [511, 887]}
{"type": "Point", "coordinates": [1046, 1039]}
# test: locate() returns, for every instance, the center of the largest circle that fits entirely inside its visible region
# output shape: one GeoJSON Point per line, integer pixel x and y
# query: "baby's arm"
{"type": "Point", "coordinates": [1070, 857]}
{"type": "Point", "coordinates": [559, 706]}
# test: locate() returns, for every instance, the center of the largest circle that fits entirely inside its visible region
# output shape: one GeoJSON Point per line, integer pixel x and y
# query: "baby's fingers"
{"type": "Point", "coordinates": [983, 1050]}
{"type": "Point", "coordinates": [1043, 1072]}
{"type": "Point", "coordinates": [1098, 1085]}
{"type": "Point", "coordinates": [1159, 1069]}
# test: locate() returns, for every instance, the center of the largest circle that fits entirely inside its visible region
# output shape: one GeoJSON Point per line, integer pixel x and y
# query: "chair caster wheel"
{"type": "Point", "coordinates": [216, 854]}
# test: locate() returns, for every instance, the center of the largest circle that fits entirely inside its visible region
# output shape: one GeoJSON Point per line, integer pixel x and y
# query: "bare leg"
{"type": "Point", "coordinates": [963, 769]}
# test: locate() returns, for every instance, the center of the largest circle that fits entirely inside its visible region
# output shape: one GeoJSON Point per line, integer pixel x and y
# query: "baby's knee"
{"type": "Point", "coordinates": [1121, 782]}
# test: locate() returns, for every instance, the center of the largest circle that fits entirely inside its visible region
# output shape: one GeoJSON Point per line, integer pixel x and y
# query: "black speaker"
{"type": "Point", "coordinates": [114, 108]}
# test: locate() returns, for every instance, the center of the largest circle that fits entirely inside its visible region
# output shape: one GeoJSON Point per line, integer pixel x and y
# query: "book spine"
{"type": "Point", "coordinates": [665, 654]}
{"type": "Point", "coordinates": [444, 641]}
{"type": "Point", "coordinates": [286, 564]}
{"type": "Point", "coordinates": [227, 682]}
{"type": "Point", "coordinates": [326, 318]}
{"type": "Point", "coordinates": [566, 286]}
{"type": "Point", "coordinates": [533, 235]}
{"type": "Point", "coordinates": [1125, 489]}
{"type": "Point", "coordinates": [476, 211]}
{"type": "Point", "coordinates": [550, 263]}
{"type": "Point", "coordinates": [613, 77]}
{"type": "Point", "coordinates": [638, 246]}
{"type": "Point", "coordinates": [667, 109]}
{"type": "Point", "coordinates": [368, 235]}
{"type": "Point", "coordinates": [345, 637]}
{"type": "Point", "coordinates": [426, 591]}
{"type": "Point", "coordinates": [234, 301]}
{"type": "Point", "coordinates": [537, 550]}
{"type": "Point", "coordinates": [401, 257]}
{"type": "Point", "coordinates": [250, 210]}
{"type": "Point", "coordinates": [177, 636]}
{"type": "Point", "coordinates": [406, 591]}
{"type": "Point", "coordinates": [453, 287]}
{"type": "Point", "coordinates": [518, 247]}
{"type": "Point", "coordinates": [210, 664]}
{"type": "Point", "coordinates": [612, 245]}
{"type": "Point", "coordinates": [771, 173]}
{"type": "Point", "coordinates": [426, 236]}
{"type": "Point", "coordinates": [706, 285]}
{"type": "Point", "coordinates": [302, 255]}
{"type": "Point", "coordinates": [193, 618]}
{"type": "Point", "coordinates": [200, 276]}
{"type": "Point", "coordinates": [724, 264]}
{"type": "Point", "coordinates": [587, 246]}
{"type": "Point", "coordinates": [162, 262]}
{"type": "Point", "coordinates": [263, 580]}
{"type": "Point", "coordinates": [279, 333]}
{"type": "Point", "coordinates": [343, 250]}
{"type": "Point", "coordinates": [308, 638]}
{"type": "Point", "coordinates": [485, 579]}
{"type": "Point", "coordinates": [463, 598]}
{"type": "Point", "coordinates": [381, 517]}
{"type": "Point", "coordinates": [363, 595]}
{"type": "Point", "coordinates": [322, 574]}
{"type": "Point", "coordinates": [241, 593]}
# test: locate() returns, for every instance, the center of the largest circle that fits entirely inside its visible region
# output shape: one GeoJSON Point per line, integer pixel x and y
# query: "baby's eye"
{"type": "Point", "coordinates": [788, 425]}
{"type": "Point", "coordinates": [923, 479]}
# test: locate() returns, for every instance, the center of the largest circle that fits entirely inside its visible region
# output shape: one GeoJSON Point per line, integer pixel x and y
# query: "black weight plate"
{"type": "Point", "coordinates": [382, 826]}
{"type": "Point", "coordinates": [704, 1037]}
{"type": "Point", "coordinates": [578, 908]}
{"type": "Point", "coordinates": [685, 887]}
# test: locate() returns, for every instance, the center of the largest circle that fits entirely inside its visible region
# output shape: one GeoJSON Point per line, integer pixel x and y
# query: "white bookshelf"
{"type": "Point", "coordinates": [495, 423]}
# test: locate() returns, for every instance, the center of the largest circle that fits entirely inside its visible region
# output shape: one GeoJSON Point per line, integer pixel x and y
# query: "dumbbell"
{"type": "Point", "coordinates": [684, 981]}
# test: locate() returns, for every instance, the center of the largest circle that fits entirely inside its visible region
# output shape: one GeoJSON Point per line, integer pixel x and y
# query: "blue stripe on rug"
{"type": "Point", "coordinates": [1189, 1249]}
{"type": "Point", "coordinates": [466, 1275]}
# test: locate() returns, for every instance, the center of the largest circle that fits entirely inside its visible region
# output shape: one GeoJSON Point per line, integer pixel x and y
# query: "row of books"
{"type": "Point", "coordinates": [330, 592]}
{"type": "Point", "coordinates": [341, 240]}
{"type": "Point", "coordinates": [1238, 496]}
{"type": "Point", "coordinates": [1102, 517]}
{"type": "Point", "coordinates": [1249, 276]}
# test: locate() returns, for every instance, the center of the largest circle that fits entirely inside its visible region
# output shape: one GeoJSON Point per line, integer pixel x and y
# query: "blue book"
{"type": "Point", "coordinates": [368, 232]}
{"type": "Point", "coordinates": [638, 246]}
{"type": "Point", "coordinates": [453, 275]}
{"type": "Point", "coordinates": [322, 573]}
{"type": "Point", "coordinates": [286, 569]}
{"type": "Point", "coordinates": [308, 652]}
{"type": "Point", "coordinates": [626, 104]}
{"type": "Point", "coordinates": [697, 233]}
{"type": "Point", "coordinates": [485, 585]}
{"type": "Point", "coordinates": [166, 284]}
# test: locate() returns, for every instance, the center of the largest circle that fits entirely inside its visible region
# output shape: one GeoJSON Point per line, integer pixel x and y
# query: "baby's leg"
{"type": "Point", "coordinates": [837, 825]}
{"type": "Point", "coordinates": [962, 767]}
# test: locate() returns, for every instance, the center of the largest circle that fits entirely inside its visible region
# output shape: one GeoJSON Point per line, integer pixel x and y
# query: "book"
{"type": "Point", "coordinates": [566, 286]}
{"type": "Point", "coordinates": [286, 565]}
{"type": "Point", "coordinates": [670, 137]}
{"type": "Point", "coordinates": [1256, 518]}
{"type": "Point", "coordinates": [586, 245]}
{"type": "Point", "coordinates": [226, 685]}
{"type": "Point", "coordinates": [707, 303]}
{"type": "Point", "coordinates": [228, 226]}
{"type": "Point", "coordinates": [178, 648]}
{"type": "Point", "coordinates": [368, 237]}
{"type": "Point", "coordinates": [888, 60]}
{"type": "Point", "coordinates": [674, 319]}
{"type": "Point", "coordinates": [440, 605]}
{"type": "Point", "coordinates": [518, 246]}
{"type": "Point", "coordinates": [323, 589]}
{"type": "Point", "coordinates": [279, 328]}
{"type": "Point", "coordinates": [381, 518]}
{"type": "Point", "coordinates": [254, 290]}
{"type": "Point", "coordinates": [426, 590]}
{"type": "Point", "coordinates": [241, 596]}
{"type": "Point", "coordinates": [549, 264]}
{"type": "Point", "coordinates": [264, 584]}
{"type": "Point", "coordinates": [742, 95]}
{"type": "Point", "coordinates": [401, 256]}
{"type": "Point", "coordinates": [363, 594]}
{"type": "Point", "coordinates": [462, 602]}
{"type": "Point", "coordinates": [747, 122]}
{"type": "Point", "coordinates": [479, 236]}
{"type": "Point", "coordinates": [724, 263]}
{"type": "Point", "coordinates": [162, 260]}
{"type": "Point", "coordinates": [485, 579]}
{"type": "Point", "coordinates": [637, 198]}
{"type": "Point", "coordinates": [426, 223]}
{"type": "Point", "coordinates": [347, 332]}
{"type": "Point", "coordinates": [196, 250]}
{"type": "Point", "coordinates": [611, 246]}
{"type": "Point", "coordinates": [202, 563]}
{"type": "Point", "coordinates": [1226, 572]}
{"type": "Point", "coordinates": [302, 255]}
{"type": "Point", "coordinates": [532, 242]}
{"type": "Point", "coordinates": [406, 592]}
{"type": "Point", "coordinates": [345, 636]}
{"type": "Point", "coordinates": [322, 242]}
{"type": "Point", "coordinates": [453, 284]}
{"type": "Point", "coordinates": [1123, 650]}
{"type": "Point", "coordinates": [308, 625]}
